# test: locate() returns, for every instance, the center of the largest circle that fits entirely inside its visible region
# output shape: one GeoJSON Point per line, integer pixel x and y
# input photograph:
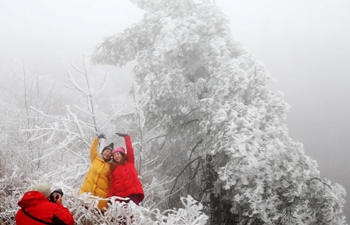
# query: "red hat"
{"type": "Point", "coordinates": [118, 149]}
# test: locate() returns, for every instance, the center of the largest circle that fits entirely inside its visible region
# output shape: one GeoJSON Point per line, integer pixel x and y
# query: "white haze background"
{"type": "Point", "coordinates": [304, 44]}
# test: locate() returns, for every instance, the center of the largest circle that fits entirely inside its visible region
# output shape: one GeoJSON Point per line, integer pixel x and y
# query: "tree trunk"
{"type": "Point", "coordinates": [218, 207]}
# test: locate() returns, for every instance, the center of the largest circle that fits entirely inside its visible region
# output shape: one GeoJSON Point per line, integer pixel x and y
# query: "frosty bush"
{"type": "Point", "coordinates": [12, 187]}
{"type": "Point", "coordinates": [83, 207]}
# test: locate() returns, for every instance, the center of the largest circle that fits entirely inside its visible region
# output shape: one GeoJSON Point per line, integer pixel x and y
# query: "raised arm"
{"type": "Point", "coordinates": [93, 149]}
{"type": "Point", "coordinates": [129, 148]}
{"type": "Point", "coordinates": [94, 146]}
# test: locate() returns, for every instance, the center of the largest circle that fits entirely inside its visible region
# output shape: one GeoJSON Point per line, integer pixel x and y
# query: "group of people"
{"type": "Point", "coordinates": [112, 173]}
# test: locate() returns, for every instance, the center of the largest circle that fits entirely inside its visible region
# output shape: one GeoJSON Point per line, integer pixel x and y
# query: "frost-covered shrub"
{"type": "Point", "coordinates": [84, 210]}
{"type": "Point", "coordinates": [12, 187]}
{"type": "Point", "coordinates": [84, 207]}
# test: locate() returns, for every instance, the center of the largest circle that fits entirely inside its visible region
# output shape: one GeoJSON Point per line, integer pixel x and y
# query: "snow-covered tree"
{"type": "Point", "coordinates": [17, 115]}
{"type": "Point", "coordinates": [9, 132]}
{"type": "Point", "coordinates": [44, 137]}
{"type": "Point", "coordinates": [224, 139]}
{"type": "Point", "coordinates": [67, 138]}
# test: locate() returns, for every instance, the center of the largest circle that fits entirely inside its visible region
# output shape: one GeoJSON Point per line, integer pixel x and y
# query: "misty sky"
{"type": "Point", "coordinates": [304, 44]}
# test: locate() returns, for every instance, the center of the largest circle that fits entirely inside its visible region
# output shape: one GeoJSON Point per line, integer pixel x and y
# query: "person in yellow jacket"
{"type": "Point", "coordinates": [96, 181]}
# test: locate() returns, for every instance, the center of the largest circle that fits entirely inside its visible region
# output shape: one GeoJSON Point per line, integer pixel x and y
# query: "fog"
{"type": "Point", "coordinates": [305, 45]}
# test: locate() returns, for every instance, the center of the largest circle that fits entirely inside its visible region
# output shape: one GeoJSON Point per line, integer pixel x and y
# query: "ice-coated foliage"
{"type": "Point", "coordinates": [83, 207]}
{"type": "Point", "coordinates": [225, 137]}
{"type": "Point", "coordinates": [12, 186]}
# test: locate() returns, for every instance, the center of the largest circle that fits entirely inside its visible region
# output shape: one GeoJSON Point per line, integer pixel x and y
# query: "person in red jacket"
{"type": "Point", "coordinates": [124, 181]}
{"type": "Point", "coordinates": [37, 209]}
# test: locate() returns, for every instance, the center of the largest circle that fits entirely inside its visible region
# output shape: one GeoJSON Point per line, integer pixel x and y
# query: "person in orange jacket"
{"type": "Point", "coordinates": [37, 209]}
{"type": "Point", "coordinates": [96, 181]}
{"type": "Point", "coordinates": [124, 181]}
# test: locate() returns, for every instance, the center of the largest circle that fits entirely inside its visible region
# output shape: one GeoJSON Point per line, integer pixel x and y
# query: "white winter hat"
{"type": "Point", "coordinates": [44, 188]}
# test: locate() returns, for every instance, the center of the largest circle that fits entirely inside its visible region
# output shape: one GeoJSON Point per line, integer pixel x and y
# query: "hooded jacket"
{"type": "Point", "coordinates": [124, 179]}
{"type": "Point", "coordinates": [37, 205]}
{"type": "Point", "coordinates": [96, 181]}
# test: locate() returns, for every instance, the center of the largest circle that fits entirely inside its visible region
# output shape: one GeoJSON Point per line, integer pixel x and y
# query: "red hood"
{"type": "Point", "coordinates": [32, 198]}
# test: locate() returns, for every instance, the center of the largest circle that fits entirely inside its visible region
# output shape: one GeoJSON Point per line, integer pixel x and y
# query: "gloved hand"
{"type": "Point", "coordinates": [102, 135]}
{"type": "Point", "coordinates": [121, 134]}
